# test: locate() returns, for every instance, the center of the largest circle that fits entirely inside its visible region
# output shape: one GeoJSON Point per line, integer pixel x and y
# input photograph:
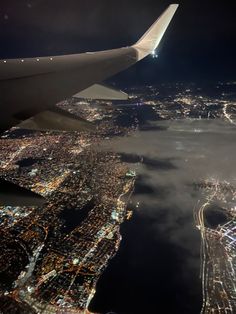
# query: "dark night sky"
{"type": "Point", "coordinates": [200, 43]}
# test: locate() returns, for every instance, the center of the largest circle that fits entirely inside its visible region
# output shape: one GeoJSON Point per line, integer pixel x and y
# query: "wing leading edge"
{"type": "Point", "coordinates": [46, 66]}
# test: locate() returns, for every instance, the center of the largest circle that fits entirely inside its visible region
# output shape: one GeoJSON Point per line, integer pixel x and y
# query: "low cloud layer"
{"type": "Point", "coordinates": [188, 152]}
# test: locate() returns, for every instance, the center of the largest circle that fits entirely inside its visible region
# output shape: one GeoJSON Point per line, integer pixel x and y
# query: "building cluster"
{"type": "Point", "coordinates": [53, 255]}
{"type": "Point", "coordinates": [218, 247]}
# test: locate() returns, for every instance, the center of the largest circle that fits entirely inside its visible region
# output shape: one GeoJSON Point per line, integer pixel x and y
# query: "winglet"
{"type": "Point", "coordinates": [151, 39]}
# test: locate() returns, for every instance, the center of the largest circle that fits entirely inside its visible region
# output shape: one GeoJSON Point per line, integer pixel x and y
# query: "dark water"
{"type": "Point", "coordinates": [215, 216]}
{"type": "Point", "coordinates": [20, 133]}
{"type": "Point", "coordinates": [72, 217]}
{"type": "Point", "coordinates": [27, 162]}
{"type": "Point", "coordinates": [148, 273]}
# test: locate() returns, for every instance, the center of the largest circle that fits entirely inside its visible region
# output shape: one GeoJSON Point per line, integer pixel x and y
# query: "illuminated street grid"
{"type": "Point", "coordinates": [218, 249]}
{"type": "Point", "coordinates": [49, 265]}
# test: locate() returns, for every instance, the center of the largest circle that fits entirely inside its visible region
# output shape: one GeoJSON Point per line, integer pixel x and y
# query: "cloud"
{"type": "Point", "coordinates": [187, 153]}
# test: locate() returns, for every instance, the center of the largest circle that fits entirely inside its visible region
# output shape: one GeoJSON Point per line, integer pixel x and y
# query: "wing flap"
{"type": "Point", "coordinates": [55, 120]}
{"type": "Point", "coordinates": [98, 91]}
{"type": "Point", "coordinates": [14, 195]}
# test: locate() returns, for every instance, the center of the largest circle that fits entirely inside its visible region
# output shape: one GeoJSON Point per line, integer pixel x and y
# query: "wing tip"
{"type": "Point", "coordinates": [152, 37]}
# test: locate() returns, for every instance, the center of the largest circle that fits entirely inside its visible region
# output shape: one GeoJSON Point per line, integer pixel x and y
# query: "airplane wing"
{"type": "Point", "coordinates": [36, 84]}
{"type": "Point", "coordinates": [30, 87]}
